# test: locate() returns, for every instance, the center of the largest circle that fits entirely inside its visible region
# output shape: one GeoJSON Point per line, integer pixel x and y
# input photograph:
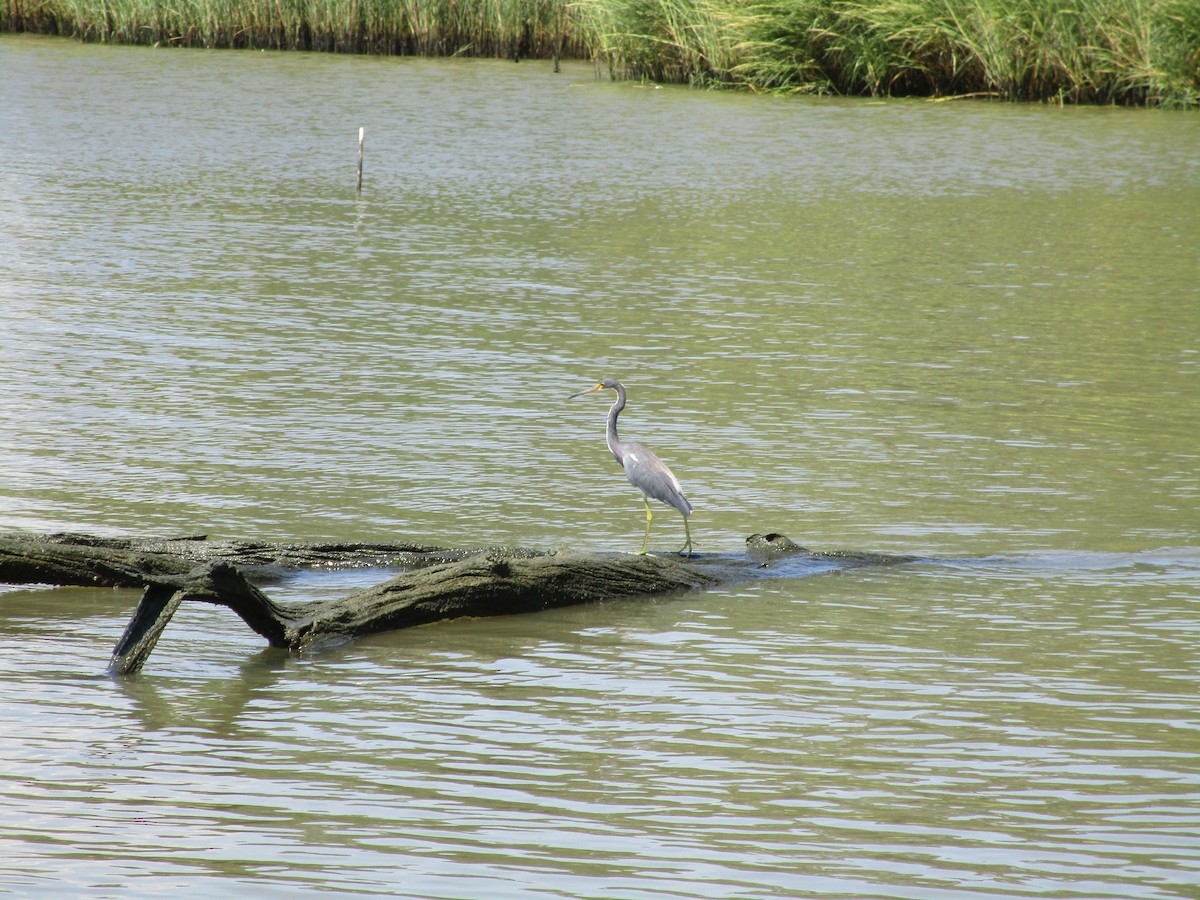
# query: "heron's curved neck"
{"type": "Point", "coordinates": [614, 442]}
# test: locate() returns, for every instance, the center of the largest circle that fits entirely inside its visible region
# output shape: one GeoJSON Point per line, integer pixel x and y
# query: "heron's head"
{"type": "Point", "coordinates": [608, 384]}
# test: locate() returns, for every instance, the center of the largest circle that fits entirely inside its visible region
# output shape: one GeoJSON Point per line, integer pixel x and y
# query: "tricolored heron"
{"type": "Point", "coordinates": [645, 471]}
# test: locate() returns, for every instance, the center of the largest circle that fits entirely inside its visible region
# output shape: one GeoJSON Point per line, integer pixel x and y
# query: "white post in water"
{"type": "Point", "coordinates": [362, 133]}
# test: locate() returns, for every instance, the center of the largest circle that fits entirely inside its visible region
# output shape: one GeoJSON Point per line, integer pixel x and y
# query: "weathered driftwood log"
{"type": "Point", "coordinates": [59, 559]}
{"type": "Point", "coordinates": [82, 559]}
{"type": "Point", "coordinates": [487, 584]}
{"type": "Point", "coordinates": [439, 583]}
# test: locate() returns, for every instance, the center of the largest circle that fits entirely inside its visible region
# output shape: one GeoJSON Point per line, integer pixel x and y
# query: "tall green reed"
{"type": "Point", "coordinates": [431, 27]}
{"type": "Point", "coordinates": [688, 41]}
{"type": "Point", "coordinates": [1096, 51]}
{"type": "Point", "coordinates": [1085, 51]}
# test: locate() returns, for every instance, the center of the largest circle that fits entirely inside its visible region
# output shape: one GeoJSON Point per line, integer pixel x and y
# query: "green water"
{"type": "Point", "coordinates": [967, 331]}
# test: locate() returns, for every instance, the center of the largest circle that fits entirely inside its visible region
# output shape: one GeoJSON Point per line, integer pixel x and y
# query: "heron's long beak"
{"type": "Point", "coordinates": [590, 390]}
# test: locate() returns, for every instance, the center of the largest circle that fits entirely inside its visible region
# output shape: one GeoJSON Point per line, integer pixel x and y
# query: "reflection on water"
{"type": "Point", "coordinates": [210, 332]}
{"type": "Point", "coordinates": [965, 727]}
{"type": "Point", "coordinates": [967, 332]}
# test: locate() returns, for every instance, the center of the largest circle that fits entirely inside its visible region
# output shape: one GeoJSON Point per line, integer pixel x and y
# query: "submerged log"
{"type": "Point", "coordinates": [487, 584]}
{"type": "Point", "coordinates": [439, 583]}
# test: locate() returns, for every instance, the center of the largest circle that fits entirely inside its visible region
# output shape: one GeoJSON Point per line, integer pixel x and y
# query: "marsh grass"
{"type": "Point", "coordinates": [1076, 51]}
{"type": "Point", "coordinates": [427, 27]}
{"type": "Point", "coordinates": [1093, 51]}
{"type": "Point", "coordinates": [681, 41]}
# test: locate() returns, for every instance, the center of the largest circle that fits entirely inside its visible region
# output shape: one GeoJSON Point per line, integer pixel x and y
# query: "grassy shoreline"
{"type": "Point", "coordinates": [1129, 52]}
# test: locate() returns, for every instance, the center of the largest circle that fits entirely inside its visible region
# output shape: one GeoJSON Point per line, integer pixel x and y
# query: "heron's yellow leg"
{"type": "Point", "coordinates": [646, 540]}
{"type": "Point", "coordinates": [686, 550]}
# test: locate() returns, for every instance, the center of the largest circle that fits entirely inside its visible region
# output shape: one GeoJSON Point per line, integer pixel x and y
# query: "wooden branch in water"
{"type": "Point", "coordinates": [82, 559]}
{"type": "Point", "coordinates": [973, 95]}
{"type": "Point", "coordinates": [492, 583]}
{"type": "Point", "coordinates": [439, 583]}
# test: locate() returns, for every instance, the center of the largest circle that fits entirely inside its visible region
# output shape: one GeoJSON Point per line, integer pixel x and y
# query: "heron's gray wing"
{"type": "Point", "coordinates": [650, 475]}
